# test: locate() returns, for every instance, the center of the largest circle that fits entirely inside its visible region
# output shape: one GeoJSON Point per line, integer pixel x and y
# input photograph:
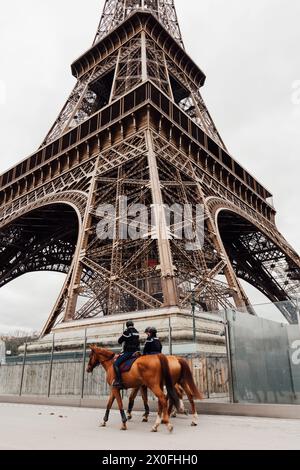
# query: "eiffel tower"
{"type": "Point", "coordinates": [136, 128]}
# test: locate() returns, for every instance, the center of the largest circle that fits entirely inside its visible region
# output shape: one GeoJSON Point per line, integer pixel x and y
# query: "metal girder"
{"type": "Point", "coordinates": [42, 240]}
{"type": "Point", "coordinates": [143, 297]}
{"type": "Point", "coordinates": [261, 262]}
{"type": "Point", "coordinates": [135, 61]}
{"type": "Point", "coordinates": [193, 103]}
{"type": "Point", "coordinates": [66, 187]}
{"type": "Point", "coordinates": [116, 11]}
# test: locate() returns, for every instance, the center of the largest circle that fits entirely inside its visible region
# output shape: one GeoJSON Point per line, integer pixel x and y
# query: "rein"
{"type": "Point", "coordinates": [106, 360]}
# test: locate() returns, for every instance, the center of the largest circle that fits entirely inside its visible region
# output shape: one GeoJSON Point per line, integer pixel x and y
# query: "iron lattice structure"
{"type": "Point", "coordinates": [136, 126]}
{"type": "Point", "coordinates": [116, 11]}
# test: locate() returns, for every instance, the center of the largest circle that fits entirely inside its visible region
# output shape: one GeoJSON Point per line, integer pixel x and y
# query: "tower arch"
{"type": "Point", "coordinates": [258, 255]}
{"type": "Point", "coordinates": [42, 238]}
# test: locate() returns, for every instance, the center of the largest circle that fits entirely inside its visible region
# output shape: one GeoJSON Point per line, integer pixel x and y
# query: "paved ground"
{"type": "Point", "coordinates": [43, 427]}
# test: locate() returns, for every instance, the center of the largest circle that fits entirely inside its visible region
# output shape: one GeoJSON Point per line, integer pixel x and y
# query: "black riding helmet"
{"type": "Point", "coordinates": [153, 331]}
{"type": "Point", "coordinates": [147, 330]}
{"type": "Point", "coordinates": [129, 324]}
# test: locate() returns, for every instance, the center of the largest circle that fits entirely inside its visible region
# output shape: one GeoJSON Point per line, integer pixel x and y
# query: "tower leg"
{"type": "Point", "coordinates": [239, 295]}
{"type": "Point", "coordinates": [81, 248]}
{"type": "Point", "coordinates": [59, 305]}
{"type": "Point", "coordinates": [169, 287]}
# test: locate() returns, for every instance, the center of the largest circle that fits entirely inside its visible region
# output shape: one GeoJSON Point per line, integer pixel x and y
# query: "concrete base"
{"type": "Point", "coordinates": [173, 324]}
{"type": "Point", "coordinates": [203, 407]}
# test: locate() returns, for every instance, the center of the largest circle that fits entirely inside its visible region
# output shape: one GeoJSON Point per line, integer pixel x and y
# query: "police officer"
{"type": "Point", "coordinates": [152, 345]}
{"type": "Point", "coordinates": [131, 344]}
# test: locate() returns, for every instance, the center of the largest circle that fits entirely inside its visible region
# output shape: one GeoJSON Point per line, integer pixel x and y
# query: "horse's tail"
{"type": "Point", "coordinates": [187, 377]}
{"type": "Point", "coordinates": [166, 376]}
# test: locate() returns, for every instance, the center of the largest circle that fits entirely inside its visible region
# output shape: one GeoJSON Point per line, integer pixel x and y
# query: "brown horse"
{"type": "Point", "coordinates": [183, 381]}
{"type": "Point", "coordinates": [151, 371]}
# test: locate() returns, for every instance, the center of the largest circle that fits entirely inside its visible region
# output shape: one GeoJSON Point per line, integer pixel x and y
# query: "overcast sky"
{"type": "Point", "coordinates": [249, 51]}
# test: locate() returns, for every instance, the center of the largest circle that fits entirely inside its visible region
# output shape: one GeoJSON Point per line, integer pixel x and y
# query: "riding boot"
{"type": "Point", "coordinates": [118, 380]}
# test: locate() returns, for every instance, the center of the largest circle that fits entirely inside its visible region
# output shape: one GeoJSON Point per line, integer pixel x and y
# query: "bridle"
{"type": "Point", "coordinates": [105, 360]}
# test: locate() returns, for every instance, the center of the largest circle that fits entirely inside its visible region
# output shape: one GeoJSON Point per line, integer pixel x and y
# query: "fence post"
{"type": "Point", "coordinates": [193, 314]}
{"type": "Point", "coordinates": [83, 362]}
{"type": "Point", "coordinates": [294, 397]}
{"type": "Point", "coordinates": [229, 359]}
{"type": "Point", "coordinates": [298, 312]}
{"type": "Point", "coordinates": [170, 338]}
{"type": "Point", "coordinates": [23, 369]}
{"type": "Point", "coordinates": [207, 378]}
{"type": "Point", "coordinates": [51, 366]}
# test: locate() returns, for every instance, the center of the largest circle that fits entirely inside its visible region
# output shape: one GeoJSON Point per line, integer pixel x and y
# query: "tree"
{"type": "Point", "coordinates": [16, 339]}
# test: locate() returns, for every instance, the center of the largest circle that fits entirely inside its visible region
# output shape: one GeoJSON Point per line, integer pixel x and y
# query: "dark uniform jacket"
{"type": "Point", "coordinates": [152, 346]}
{"type": "Point", "coordinates": [131, 340]}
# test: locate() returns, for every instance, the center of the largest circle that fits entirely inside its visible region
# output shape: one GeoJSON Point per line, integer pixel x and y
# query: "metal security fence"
{"type": "Point", "coordinates": [264, 360]}
{"type": "Point", "coordinates": [63, 373]}
{"type": "Point", "coordinates": [66, 378]}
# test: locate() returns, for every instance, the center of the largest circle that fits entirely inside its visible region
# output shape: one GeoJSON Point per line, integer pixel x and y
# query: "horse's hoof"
{"type": "Point", "coordinates": [194, 424]}
{"type": "Point", "coordinates": [124, 427]}
{"type": "Point", "coordinates": [103, 425]}
{"type": "Point", "coordinates": [173, 415]}
{"type": "Point", "coordinates": [145, 420]}
{"type": "Point", "coordinates": [129, 417]}
{"type": "Point", "coordinates": [170, 428]}
{"type": "Point", "coordinates": [154, 430]}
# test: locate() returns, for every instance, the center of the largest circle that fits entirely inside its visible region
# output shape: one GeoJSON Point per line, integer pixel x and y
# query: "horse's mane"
{"type": "Point", "coordinates": [105, 352]}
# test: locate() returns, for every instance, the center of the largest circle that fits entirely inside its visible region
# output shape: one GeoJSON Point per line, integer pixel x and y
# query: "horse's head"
{"type": "Point", "coordinates": [94, 360]}
{"type": "Point", "coordinates": [98, 356]}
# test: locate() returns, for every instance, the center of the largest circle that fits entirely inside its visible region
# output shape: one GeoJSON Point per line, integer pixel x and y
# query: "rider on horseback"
{"type": "Point", "coordinates": [131, 344]}
{"type": "Point", "coordinates": [152, 345]}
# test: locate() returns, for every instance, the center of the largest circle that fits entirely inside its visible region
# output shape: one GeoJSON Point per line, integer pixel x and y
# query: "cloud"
{"type": "Point", "coordinates": [28, 300]}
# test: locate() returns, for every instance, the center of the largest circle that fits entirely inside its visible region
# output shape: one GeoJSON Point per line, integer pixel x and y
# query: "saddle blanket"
{"type": "Point", "coordinates": [126, 366]}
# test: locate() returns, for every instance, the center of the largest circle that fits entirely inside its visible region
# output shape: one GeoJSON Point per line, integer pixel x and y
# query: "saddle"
{"type": "Point", "coordinates": [126, 365]}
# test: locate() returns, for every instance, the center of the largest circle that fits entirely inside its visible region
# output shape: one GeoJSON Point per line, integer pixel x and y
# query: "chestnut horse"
{"type": "Point", "coordinates": [183, 381]}
{"type": "Point", "coordinates": [151, 371]}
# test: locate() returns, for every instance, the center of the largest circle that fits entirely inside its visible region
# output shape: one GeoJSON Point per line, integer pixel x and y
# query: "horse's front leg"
{"type": "Point", "coordinates": [108, 408]}
{"type": "Point", "coordinates": [146, 406]}
{"type": "Point", "coordinates": [118, 397]}
{"type": "Point", "coordinates": [132, 397]}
